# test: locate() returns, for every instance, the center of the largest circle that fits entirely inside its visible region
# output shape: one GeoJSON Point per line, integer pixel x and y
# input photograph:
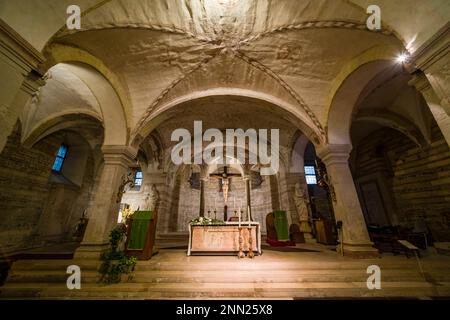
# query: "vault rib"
{"type": "Point", "coordinates": [255, 63]}
{"type": "Point", "coordinates": [316, 25]}
{"type": "Point", "coordinates": [150, 109]}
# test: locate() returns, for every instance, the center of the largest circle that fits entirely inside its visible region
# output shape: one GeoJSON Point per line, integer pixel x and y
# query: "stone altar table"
{"type": "Point", "coordinates": [223, 239]}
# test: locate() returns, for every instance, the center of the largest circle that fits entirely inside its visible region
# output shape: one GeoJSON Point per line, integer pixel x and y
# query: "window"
{"type": "Point", "coordinates": [310, 174]}
{"type": "Point", "coordinates": [60, 157]}
{"type": "Point", "coordinates": [138, 179]}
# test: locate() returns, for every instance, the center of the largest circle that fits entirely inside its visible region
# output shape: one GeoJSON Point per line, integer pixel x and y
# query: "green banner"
{"type": "Point", "coordinates": [281, 225]}
{"type": "Point", "coordinates": [139, 229]}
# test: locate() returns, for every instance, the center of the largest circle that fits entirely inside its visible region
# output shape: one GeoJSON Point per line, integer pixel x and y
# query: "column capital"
{"type": "Point", "coordinates": [32, 83]}
{"type": "Point", "coordinates": [433, 49]}
{"type": "Point", "coordinates": [120, 155]}
{"type": "Point", "coordinates": [334, 153]}
{"type": "Point", "coordinates": [420, 82]}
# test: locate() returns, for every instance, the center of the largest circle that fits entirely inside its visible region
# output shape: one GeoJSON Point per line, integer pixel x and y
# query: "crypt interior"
{"type": "Point", "coordinates": [86, 123]}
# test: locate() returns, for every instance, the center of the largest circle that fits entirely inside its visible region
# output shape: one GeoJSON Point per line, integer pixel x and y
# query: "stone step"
{"type": "Point", "coordinates": [284, 275]}
{"type": "Point", "coordinates": [220, 290]}
{"type": "Point", "coordinates": [173, 236]}
{"type": "Point", "coordinates": [241, 276]}
{"type": "Point", "coordinates": [202, 264]}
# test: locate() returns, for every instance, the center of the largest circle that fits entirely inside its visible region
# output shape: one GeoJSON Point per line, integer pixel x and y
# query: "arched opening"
{"type": "Point", "coordinates": [397, 148]}
{"type": "Point", "coordinates": [52, 185]}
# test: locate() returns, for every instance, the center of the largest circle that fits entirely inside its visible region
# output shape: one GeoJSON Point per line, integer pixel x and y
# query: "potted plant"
{"type": "Point", "coordinates": [115, 261]}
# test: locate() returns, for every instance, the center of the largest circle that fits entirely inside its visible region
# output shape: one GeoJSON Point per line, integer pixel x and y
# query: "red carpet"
{"type": "Point", "coordinates": [278, 243]}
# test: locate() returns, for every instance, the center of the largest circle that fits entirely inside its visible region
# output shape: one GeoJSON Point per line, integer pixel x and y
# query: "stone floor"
{"type": "Point", "coordinates": [307, 271]}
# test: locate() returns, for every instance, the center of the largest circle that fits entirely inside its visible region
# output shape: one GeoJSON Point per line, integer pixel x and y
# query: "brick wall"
{"type": "Point", "coordinates": [418, 180]}
{"type": "Point", "coordinates": [24, 188]}
{"type": "Point", "coordinates": [34, 210]}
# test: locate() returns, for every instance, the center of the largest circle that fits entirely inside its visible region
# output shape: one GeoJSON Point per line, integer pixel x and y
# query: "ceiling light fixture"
{"type": "Point", "coordinates": [402, 58]}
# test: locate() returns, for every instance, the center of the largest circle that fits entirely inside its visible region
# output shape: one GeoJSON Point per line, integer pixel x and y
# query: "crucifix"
{"type": "Point", "coordinates": [224, 179]}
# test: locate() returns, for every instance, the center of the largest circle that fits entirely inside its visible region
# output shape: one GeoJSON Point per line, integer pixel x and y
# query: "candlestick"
{"type": "Point", "coordinates": [239, 218]}
{"type": "Point", "coordinates": [248, 215]}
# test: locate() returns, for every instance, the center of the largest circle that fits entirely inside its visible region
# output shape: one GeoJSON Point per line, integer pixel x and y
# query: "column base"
{"type": "Point", "coordinates": [359, 251]}
{"type": "Point", "coordinates": [310, 239]}
{"type": "Point", "coordinates": [91, 251]}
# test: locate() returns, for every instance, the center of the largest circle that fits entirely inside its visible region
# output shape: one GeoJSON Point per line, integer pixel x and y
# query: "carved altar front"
{"type": "Point", "coordinates": [223, 239]}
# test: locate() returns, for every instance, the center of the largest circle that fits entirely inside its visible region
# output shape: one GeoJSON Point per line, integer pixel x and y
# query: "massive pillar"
{"type": "Point", "coordinates": [433, 58]}
{"type": "Point", "coordinates": [248, 197]}
{"type": "Point", "coordinates": [421, 83]}
{"type": "Point", "coordinates": [104, 208]}
{"type": "Point", "coordinates": [18, 62]}
{"type": "Point", "coordinates": [356, 241]}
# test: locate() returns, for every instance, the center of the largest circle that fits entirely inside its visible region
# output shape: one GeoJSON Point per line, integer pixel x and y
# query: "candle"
{"type": "Point", "coordinates": [234, 203]}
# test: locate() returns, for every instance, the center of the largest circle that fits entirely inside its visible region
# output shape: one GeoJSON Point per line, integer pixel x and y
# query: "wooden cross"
{"type": "Point", "coordinates": [224, 178]}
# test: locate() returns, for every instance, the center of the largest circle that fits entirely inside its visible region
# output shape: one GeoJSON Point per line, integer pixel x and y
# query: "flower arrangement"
{"type": "Point", "coordinates": [206, 221]}
{"type": "Point", "coordinates": [126, 213]}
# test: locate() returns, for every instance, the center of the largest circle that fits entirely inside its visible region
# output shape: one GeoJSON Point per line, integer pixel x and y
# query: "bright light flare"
{"type": "Point", "coordinates": [402, 58]}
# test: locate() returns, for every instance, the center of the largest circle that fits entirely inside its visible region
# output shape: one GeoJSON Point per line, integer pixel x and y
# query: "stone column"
{"type": "Point", "coordinates": [104, 210]}
{"type": "Point", "coordinates": [421, 83]}
{"type": "Point", "coordinates": [248, 197]}
{"type": "Point", "coordinates": [18, 64]}
{"type": "Point", "coordinates": [356, 241]}
{"type": "Point", "coordinates": [202, 197]}
{"type": "Point", "coordinates": [433, 58]}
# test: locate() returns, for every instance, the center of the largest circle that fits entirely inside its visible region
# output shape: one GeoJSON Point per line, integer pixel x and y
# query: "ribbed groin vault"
{"type": "Point", "coordinates": [363, 120]}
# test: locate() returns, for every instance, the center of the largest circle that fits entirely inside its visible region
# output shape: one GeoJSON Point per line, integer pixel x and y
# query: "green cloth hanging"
{"type": "Point", "coordinates": [281, 225]}
{"type": "Point", "coordinates": [139, 229]}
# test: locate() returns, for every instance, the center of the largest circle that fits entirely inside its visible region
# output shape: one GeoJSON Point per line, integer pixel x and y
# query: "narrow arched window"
{"type": "Point", "coordinates": [310, 175]}
{"type": "Point", "coordinates": [59, 159]}
{"type": "Point", "coordinates": [138, 178]}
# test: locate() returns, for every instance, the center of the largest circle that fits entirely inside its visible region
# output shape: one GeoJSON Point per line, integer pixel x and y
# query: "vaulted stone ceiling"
{"type": "Point", "coordinates": [158, 49]}
{"type": "Point", "coordinates": [163, 50]}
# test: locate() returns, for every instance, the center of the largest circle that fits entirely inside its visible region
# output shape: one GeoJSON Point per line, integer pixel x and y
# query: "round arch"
{"type": "Point", "coordinates": [149, 122]}
{"type": "Point", "coordinates": [348, 86]}
{"type": "Point", "coordinates": [68, 119]}
{"type": "Point", "coordinates": [104, 85]}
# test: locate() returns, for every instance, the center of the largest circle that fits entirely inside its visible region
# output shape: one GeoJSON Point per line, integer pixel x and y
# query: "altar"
{"type": "Point", "coordinates": [223, 239]}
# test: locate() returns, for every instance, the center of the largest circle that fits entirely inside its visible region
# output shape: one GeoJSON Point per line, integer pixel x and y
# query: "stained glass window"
{"type": "Point", "coordinates": [59, 159]}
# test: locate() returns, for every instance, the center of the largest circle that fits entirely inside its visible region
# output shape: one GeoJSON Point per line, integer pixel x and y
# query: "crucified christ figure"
{"type": "Point", "coordinates": [225, 183]}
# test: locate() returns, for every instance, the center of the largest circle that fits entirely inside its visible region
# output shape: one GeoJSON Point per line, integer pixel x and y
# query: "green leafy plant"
{"type": "Point", "coordinates": [206, 221]}
{"type": "Point", "coordinates": [116, 262]}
